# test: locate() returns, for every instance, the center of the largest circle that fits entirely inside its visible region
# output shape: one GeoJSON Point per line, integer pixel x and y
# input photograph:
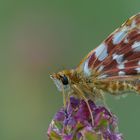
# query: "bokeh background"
{"type": "Point", "coordinates": [41, 37]}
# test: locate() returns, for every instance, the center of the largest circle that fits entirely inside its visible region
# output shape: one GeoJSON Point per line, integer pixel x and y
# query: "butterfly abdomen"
{"type": "Point", "coordinates": [120, 87]}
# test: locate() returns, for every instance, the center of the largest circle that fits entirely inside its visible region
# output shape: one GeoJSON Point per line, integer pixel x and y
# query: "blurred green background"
{"type": "Point", "coordinates": [41, 37]}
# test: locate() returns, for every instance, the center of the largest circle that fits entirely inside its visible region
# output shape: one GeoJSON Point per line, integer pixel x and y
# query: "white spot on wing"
{"type": "Point", "coordinates": [119, 36]}
{"type": "Point", "coordinates": [139, 62]}
{"type": "Point", "coordinates": [133, 24]}
{"type": "Point", "coordinates": [87, 71]}
{"type": "Point", "coordinates": [138, 70]}
{"type": "Point", "coordinates": [118, 58]}
{"type": "Point", "coordinates": [136, 46]}
{"type": "Point", "coordinates": [103, 76]}
{"type": "Point", "coordinates": [121, 73]}
{"type": "Point", "coordinates": [126, 40]}
{"type": "Point", "coordinates": [101, 68]}
{"type": "Point", "coordinates": [101, 52]}
{"type": "Point", "coordinates": [121, 66]}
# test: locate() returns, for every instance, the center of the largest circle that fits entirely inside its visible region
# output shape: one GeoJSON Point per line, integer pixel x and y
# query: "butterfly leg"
{"type": "Point", "coordinates": [86, 101]}
{"type": "Point", "coordinates": [64, 99]}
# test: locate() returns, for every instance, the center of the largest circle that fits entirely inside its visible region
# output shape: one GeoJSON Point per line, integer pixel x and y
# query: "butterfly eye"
{"type": "Point", "coordinates": [64, 80]}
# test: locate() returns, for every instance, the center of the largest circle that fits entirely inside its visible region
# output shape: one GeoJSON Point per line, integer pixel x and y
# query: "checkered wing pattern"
{"type": "Point", "coordinates": [118, 57]}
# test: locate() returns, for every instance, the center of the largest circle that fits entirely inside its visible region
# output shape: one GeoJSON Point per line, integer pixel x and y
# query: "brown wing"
{"type": "Point", "coordinates": [118, 55]}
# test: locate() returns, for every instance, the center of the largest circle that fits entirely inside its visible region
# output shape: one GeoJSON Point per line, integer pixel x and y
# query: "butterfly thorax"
{"type": "Point", "coordinates": [91, 85]}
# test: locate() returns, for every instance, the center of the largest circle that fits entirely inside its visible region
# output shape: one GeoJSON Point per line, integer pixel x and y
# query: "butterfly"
{"type": "Point", "coordinates": [113, 67]}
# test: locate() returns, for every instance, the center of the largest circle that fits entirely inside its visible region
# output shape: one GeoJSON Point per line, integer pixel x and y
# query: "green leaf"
{"type": "Point", "coordinates": [91, 136]}
{"type": "Point", "coordinates": [54, 136]}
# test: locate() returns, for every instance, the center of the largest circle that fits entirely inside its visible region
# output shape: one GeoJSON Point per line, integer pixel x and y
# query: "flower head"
{"type": "Point", "coordinates": [75, 123]}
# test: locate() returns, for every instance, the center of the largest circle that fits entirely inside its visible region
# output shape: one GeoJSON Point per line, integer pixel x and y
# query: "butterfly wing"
{"type": "Point", "coordinates": [118, 57]}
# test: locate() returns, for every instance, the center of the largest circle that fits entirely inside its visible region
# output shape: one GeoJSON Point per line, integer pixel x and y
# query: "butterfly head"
{"type": "Point", "coordinates": [62, 80]}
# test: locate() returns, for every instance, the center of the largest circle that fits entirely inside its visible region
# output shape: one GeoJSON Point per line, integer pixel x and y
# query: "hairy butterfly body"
{"type": "Point", "coordinates": [112, 67]}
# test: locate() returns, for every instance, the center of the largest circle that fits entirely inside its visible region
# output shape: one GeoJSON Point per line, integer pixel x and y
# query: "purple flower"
{"type": "Point", "coordinates": [75, 123]}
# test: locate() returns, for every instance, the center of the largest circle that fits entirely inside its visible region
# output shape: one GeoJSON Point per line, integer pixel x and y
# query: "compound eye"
{"type": "Point", "coordinates": [65, 80]}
